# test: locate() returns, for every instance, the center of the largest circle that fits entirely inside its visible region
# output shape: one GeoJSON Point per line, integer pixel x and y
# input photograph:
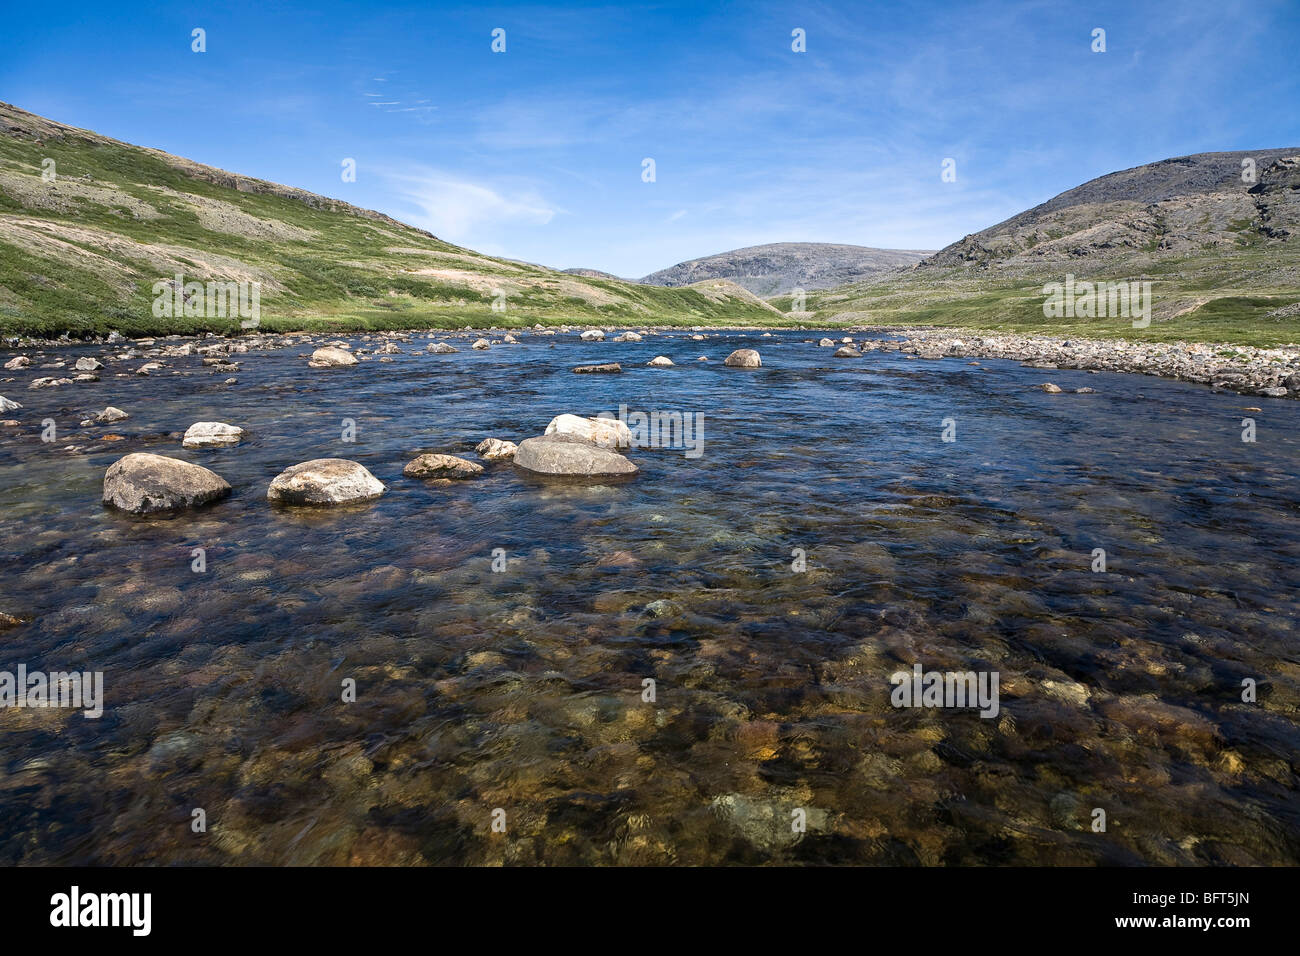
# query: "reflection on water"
{"type": "Point", "coordinates": [523, 690]}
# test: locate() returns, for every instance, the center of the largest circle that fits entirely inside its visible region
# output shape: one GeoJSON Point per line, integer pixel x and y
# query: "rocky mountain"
{"type": "Point", "coordinates": [781, 267]}
{"type": "Point", "coordinates": [1173, 207]}
{"type": "Point", "coordinates": [89, 226]}
{"type": "Point", "coordinates": [1219, 252]}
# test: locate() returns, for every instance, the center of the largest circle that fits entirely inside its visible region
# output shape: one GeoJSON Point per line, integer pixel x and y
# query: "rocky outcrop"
{"type": "Point", "coordinates": [148, 484]}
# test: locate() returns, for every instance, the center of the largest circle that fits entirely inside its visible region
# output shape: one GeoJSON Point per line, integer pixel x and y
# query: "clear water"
{"type": "Point", "coordinates": [522, 690]}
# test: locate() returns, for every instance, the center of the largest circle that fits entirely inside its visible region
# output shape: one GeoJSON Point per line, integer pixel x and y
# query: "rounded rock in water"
{"type": "Point", "coordinates": [141, 484]}
{"type": "Point", "coordinates": [743, 358]}
{"type": "Point", "coordinates": [212, 435]}
{"type": "Point", "coordinates": [564, 455]}
{"type": "Point", "coordinates": [325, 481]}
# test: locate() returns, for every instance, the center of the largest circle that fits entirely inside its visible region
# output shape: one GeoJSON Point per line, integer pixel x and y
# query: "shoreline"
{"type": "Point", "coordinates": [1270, 372]}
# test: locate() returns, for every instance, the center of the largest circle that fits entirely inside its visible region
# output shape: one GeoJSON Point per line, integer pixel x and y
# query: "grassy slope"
{"type": "Point", "coordinates": [345, 276]}
{"type": "Point", "coordinates": [1218, 295]}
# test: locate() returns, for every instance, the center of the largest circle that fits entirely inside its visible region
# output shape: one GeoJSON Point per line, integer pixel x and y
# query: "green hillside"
{"type": "Point", "coordinates": [81, 253]}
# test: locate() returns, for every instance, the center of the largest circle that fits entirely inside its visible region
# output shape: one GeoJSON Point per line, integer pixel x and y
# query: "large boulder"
{"type": "Point", "coordinates": [110, 415]}
{"type": "Point", "coordinates": [660, 361]}
{"type": "Point", "coordinates": [331, 357]}
{"type": "Point", "coordinates": [743, 358]}
{"type": "Point", "coordinates": [441, 348]}
{"type": "Point", "coordinates": [565, 455]}
{"type": "Point", "coordinates": [592, 335]}
{"type": "Point", "coordinates": [606, 432]}
{"type": "Point", "coordinates": [847, 351]}
{"type": "Point", "coordinates": [88, 364]}
{"type": "Point", "coordinates": [324, 481]}
{"type": "Point", "coordinates": [7, 406]}
{"type": "Point", "coordinates": [143, 484]}
{"type": "Point", "coordinates": [442, 466]}
{"type": "Point", "coordinates": [212, 435]}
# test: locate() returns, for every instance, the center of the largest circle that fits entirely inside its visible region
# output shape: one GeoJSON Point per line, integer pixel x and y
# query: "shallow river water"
{"type": "Point", "coordinates": [517, 697]}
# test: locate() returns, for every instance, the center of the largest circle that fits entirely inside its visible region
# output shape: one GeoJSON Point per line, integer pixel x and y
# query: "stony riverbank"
{"type": "Point", "coordinates": [1270, 372]}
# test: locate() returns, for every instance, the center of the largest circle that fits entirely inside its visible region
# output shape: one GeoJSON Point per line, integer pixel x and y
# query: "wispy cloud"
{"type": "Point", "coordinates": [458, 209]}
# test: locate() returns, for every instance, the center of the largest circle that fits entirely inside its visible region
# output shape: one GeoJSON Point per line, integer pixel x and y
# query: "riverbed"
{"type": "Point", "coordinates": [845, 519]}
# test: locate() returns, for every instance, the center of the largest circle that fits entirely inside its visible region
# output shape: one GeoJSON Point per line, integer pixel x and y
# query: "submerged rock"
{"type": "Point", "coordinates": [145, 484]}
{"type": "Point", "coordinates": [564, 455]}
{"type": "Point", "coordinates": [766, 824]}
{"type": "Point", "coordinates": [495, 449]}
{"type": "Point", "coordinates": [325, 481]}
{"type": "Point", "coordinates": [606, 432]}
{"type": "Point", "coordinates": [212, 435]}
{"type": "Point", "coordinates": [743, 358]}
{"type": "Point", "coordinates": [441, 466]}
{"type": "Point", "coordinates": [330, 357]}
{"type": "Point", "coordinates": [596, 369]}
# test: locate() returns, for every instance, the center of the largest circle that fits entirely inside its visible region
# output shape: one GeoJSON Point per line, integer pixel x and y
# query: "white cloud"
{"type": "Point", "coordinates": [456, 209]}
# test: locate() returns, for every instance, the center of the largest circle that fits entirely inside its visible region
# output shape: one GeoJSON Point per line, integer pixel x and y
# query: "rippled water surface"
{"type": "Point", "coordinates": [523, 690]}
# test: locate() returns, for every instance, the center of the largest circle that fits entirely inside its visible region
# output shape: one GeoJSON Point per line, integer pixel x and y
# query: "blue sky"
{"type": "Point", "coordinates": [536, 153]}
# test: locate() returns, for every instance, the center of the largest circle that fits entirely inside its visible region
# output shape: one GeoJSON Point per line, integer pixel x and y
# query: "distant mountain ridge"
{"type": "Point", "coordinates": [781, 267]}
{"type": "Point", "coordinates": [1175, 206]}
